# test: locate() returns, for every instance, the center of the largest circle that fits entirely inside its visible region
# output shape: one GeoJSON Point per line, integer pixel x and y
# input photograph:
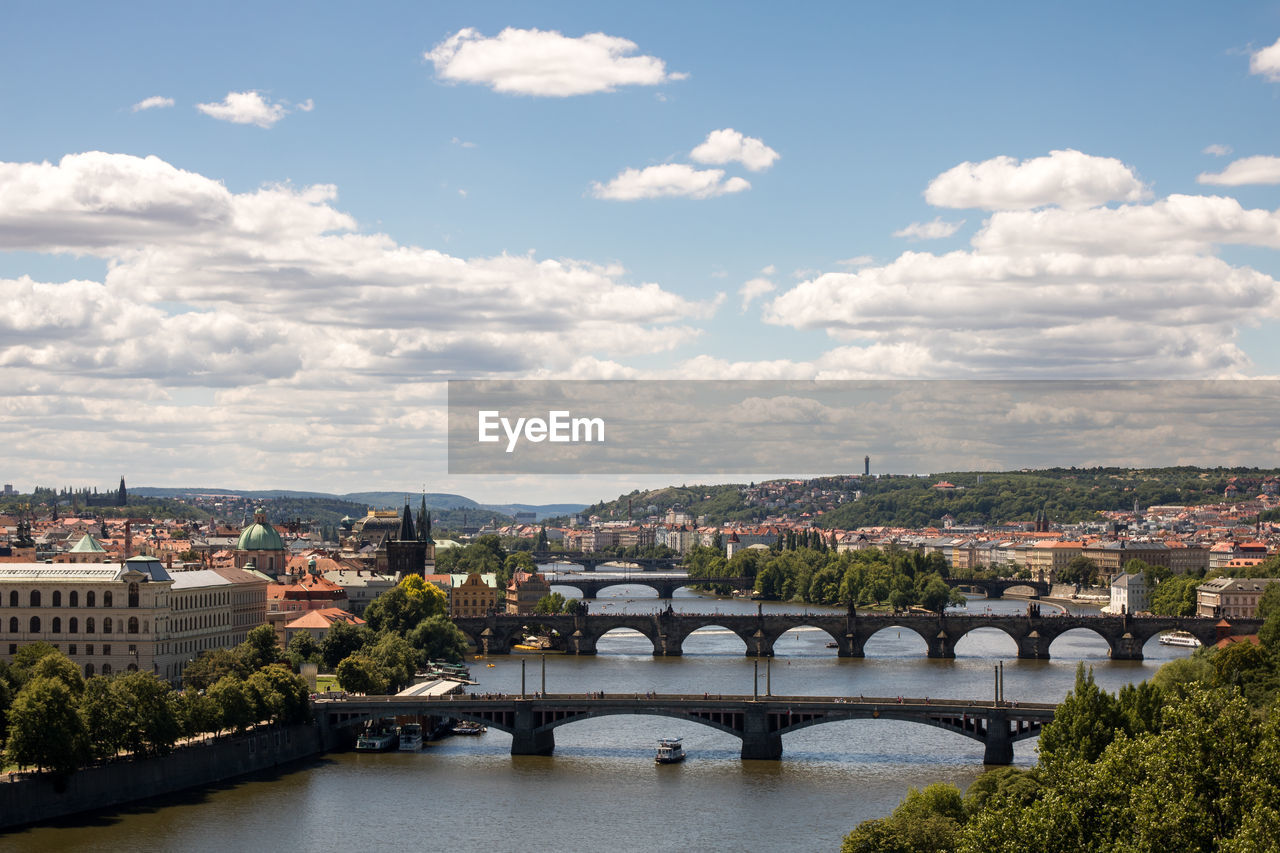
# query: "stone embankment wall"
{"type": "Point", "coordinates": [34, 799]}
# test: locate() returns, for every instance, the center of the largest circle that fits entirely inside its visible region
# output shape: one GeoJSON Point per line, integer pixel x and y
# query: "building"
{"type": "Point", "coordinates": [525, 591]}
{"type": "Point", "coordinates": [215, 609]}
{"type": "Point", "coordinates": [301, 591]}
{"type": "Point", "coordinates": [1111, 557]}
{"type": "Point", "coordinates": [361, 585]}
{"type": "Point", "coordinates": [87, 550]}
{"type": "Point", "coordinates": [474, 595]}
{"type": "Point", "coordinates": [1129, 594]}
{"type": "Point", "coordinates": [1048, 558]}
{"type": "Point", "coordinates": [1231, 598]}
{"type": "Point", "coordinates": [318, 622]}
{"type": "Point", "coordinates": [261, 544]}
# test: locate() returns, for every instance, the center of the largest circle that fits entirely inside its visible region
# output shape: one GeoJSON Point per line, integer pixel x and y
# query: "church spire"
{"type": "Point", "coordinates": [406, 525]}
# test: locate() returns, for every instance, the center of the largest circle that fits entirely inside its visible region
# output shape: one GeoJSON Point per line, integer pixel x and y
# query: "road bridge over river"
{"type": "Point", "coordinates": [664, 585]}
{"type": "Point", "coordinates": [759, 721]}
{"type": "Point", "coordinates": [668, 629]}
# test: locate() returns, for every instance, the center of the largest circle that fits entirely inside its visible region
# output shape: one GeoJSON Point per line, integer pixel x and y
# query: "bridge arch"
{"type": "Point", "coordinates": [926, 635]}
{"type": "Point", "coordinates": [1086, 635]}
{"type": "Point", "coordinates": [967, 638]}
{"type": "Point", "coordinates": [681, 638]}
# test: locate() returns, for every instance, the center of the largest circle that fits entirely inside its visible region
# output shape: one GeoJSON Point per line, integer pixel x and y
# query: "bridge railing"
{"type": "Point", "coordinates": [915, 703]}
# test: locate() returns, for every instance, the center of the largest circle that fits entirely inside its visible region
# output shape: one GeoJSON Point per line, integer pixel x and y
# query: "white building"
{"type": "Point", "coordinates": [1129, 594]}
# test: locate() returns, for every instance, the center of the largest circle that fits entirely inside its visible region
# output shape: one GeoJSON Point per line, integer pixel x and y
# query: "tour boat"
{"type": "Point", "coordinates": [669, 751]}
{"type": "Point", "coordinates": [1179, 638]}
{"type": "Point", "coordinates": [466, 727]}
{"type": "Point", "coordinates": [411, 737]}
{"type": "Point", "coordinates": [373, 740]}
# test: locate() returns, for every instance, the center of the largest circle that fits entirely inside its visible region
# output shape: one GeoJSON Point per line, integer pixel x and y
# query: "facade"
{"type": "Point", "coordinates": [260, 544]}
{"type": "Point", "coordinates": [1111, 557]}
{"type": "Point", "coordinates": [525, 591]}
{"type": "Point", "coordinates": [474, 595]}
{"type": "Point", "coordinates": [318, 622]}
{"type": "Point", "coordinates": [1129, 594]}
{"type": "Point", "coordinates": [361, 585]}
{"type": "Point", "coordinates": [1047, 559]}
{"type": "Point", "coordinates": [215, 609]}
{"type": "Point", "coordinates": [1231, 598]}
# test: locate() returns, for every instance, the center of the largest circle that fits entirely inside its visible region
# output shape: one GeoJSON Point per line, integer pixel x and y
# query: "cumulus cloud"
{"type": "Point", "coordinates": [668, 180]}
{"type": "Point", "coordinates": [1067, 179]}
{"type": "Point", "coordinates": [250, 108]}
{"type": "Point", "coordinates": [730, 146]}
{"type": "Point", "coordinates": [1217, 150]}
{"type": "Point", "coordinates": [935, 230]}
{"type": "Point", "coordinates": [1266, 62]}
{"type": "Point", "coordinates": [1261, 169]}
{"type": "Point", "coordinates": [754, 289]}
{"type": "Point", "coordinates": [152, 103]}
{"type": "Point", "coordinates": [545, 62]}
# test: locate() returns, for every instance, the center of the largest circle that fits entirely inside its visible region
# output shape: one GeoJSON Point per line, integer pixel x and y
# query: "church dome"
{"type": "Point", "coordinates": [259, 536]}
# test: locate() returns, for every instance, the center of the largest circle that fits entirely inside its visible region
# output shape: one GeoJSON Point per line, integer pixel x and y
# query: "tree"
{"type": "Point", "coordinates": [211, 667]}
{"type": "Point", "coordinates": [260, 648]}
{"type": "Point", "coordinates": [103, 714]}
{"type": "Point", "coordinates": [439, 639]}
{"type": "Point", "coordinates": [1081, 570]}
{"type": "Point", "coordinates": [549, 604]}
{"type": "Point", "coordinates": [1175, 596]}
{"type": "Point", "coordinates": [303, 648]}
{"type": "Point", "coordinates": [405, 605]}
{"type": "Point", "coordinates": [927, 821]}
{"type": "Point", "coordinates": [282, 693]}
{"type": "Point", "coordinates": [44, 728]}
{"type": "Point", "coordinates": [541, 543]}
{"type": "Point", "coordinates": [198, 713]}
{"type": "Point", "coordinates": [400, 660]}
{"type": "Point", "coordinates": [1083, 725]}
{"type": "Point", "coordinates": [360, 673]}
{"type": "Point", "coordinates": [343, 640]}
{"type": "Point", "coordinates": [150, 715]}
{"type": "Point", "coordinates": [236, 707]}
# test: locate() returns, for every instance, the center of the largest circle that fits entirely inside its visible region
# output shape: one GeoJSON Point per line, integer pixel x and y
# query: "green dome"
{"type": "Point", "coordinates": [259, 537]}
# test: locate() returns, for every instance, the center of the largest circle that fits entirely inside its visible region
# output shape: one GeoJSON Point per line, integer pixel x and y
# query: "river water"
{"type": "Point", "coordinates": [601, 789]}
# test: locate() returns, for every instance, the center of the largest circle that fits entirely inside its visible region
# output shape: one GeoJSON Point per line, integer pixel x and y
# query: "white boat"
{"type": "Point", "coordinates": [466, 727]}
{"type": "Point", "coordinates": [372, 740]}
{"type": "Point", "coordinates": [670, 751]}
{"type": "Point", "coordinates": [411, 737]}
{"type": "Point", "coordinates": [1179, 638]}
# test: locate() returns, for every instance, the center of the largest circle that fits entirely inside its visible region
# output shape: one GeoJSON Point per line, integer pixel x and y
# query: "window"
{"type": "Point", "coordinates": [106, 650]}
{"type": "Point", "coordinates": [75, 599]}
{"type": "Point", "coordinates": [106, 600]}
{"type": "Point", "coordinates": [35, 598]}
{"type": "Point", "coordinates": [13, 648]}
{"type": "Point", "coordinates": [89, 600]}
{"type": "Point", "coordinates": [57, 598]}
{"type": "Point", "coordinates": [88, 625]}
{"type": "Point", "coordinates": [35, 624]}
{"type": "Point", "coordinates": [133, 624]}
{"type": "Point", "coordinates": [88, 670]}
{"type": "Point", "coordinates": [106, 669]}
{"type": "Point", "coordinates": [133, 594]}
{"type": "Point", "coordinates": [73, 625]}
{"type": "Point", "coordinates": [13, 598]}
{"type": "Point", "coordinates": [106, 625]}
{"type": "Point", "coordinates": [88, 650]}
{"type": "Point", "coordinates": [71, 649]}
{"type": "Point", "coordinates": [57, 625]}
{"type": "Point", "coordinates": [13, 625]}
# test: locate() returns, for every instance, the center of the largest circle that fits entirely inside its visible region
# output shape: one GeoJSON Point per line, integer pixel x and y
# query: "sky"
{"type": "Point", "coordinates": [245, 245]}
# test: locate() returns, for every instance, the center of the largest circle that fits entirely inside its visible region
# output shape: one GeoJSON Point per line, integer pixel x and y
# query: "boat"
{"type": "Point", "coordinates": [466, 727]}
{"type": "Point", "coordinates": [411, 737]}
{"type": "Point", "coordinates": [670, 751]}
{"type": "Point", "coordinates": [377, 740]}
{"type": "Point", "coordinates": [833, 645]}
{"type": "Point", "coordinates": [1179, 638]}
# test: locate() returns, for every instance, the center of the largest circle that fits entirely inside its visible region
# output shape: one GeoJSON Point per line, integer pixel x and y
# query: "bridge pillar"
{"type": "Point", "coordinates": [1126, 647]}
{"type": "Point", "coordinates": [588, 594]}
{"type": "Point", "coordinates": [995, 591]}
{"type": "Point", "coordinates": [665, 645]}
{"type": "Point", "coordinates": [942, 646]}
{"type": "Point", "coordinates": [581, 644]}
{"type": "Point", "coordinates": [1033, 647]}
{"type": "Point", "coordinates": [850, 646]}
{"type": "Point", "coordinates": [999, 743]}
{"type": "Point", "coordinates": [758, 743]}
{"type": "Point", "coordinates": [525, 738]}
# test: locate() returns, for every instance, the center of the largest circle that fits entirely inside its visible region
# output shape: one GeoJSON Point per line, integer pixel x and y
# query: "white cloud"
{"type": "Point", "coordinates": [730, 146]}
{"type": "Point", "coordinates": [1067, 179]}
{"type": "Point", "coordinates": [249, 108]}
{"type": "Point", "coordinates": [463, 143]}
{"type": "Point", "coordinates": [935, 230]}
{"type": "Point", "coordinates": [545, 62]}
{"type": "Point", "coordinates": [1247, 170]}
{"type": "Point", "coordinates": [152, 103]}
{"type": "Point", "coordinates": [1266, 62]}
{"type": "Point", "coordinates": [753, 289]}
{"type": "Point", "coordinates": [768, 270]}
{"type": "Point", "coordinates": [1217, 150]}
{"type": "Point", "coordinates": [856, 261]}
{"type": "Point", "coordinates": [668, 180]}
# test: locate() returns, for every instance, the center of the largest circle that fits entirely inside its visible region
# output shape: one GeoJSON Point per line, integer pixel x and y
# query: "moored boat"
{"type": "Point", "coordinates": [411, 737]}
{"type": "Point", "coordinates": [670, 751]}
{"type": "Point", "coordinates": [377, 740]}
{"type": "Point", "coordinates": [466, 727]}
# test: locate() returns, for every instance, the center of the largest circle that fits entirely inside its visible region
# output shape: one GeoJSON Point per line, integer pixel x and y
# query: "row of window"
{"type": "Point", "coordinates": [73, 625]}
{"type": "Point", "coordinates": [35, 598]}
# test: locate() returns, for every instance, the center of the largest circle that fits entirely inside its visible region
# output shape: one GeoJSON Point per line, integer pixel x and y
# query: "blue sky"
{"type": "Point", "coordinates": [373, 200]}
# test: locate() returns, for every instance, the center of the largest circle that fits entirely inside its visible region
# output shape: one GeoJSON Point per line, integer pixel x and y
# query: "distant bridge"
{"type": "Point", "coordinates": [667, 630]}
{"type": "Point", "coordinates": [589, 560]}
{"type": "Point", "coordinates": [665, 586]}
{"type": "Point", "coordinates": [759, 721]}
{"type": "Point", "coordinates": [997, 587]}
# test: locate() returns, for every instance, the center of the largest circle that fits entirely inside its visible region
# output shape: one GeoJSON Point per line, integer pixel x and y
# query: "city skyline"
{"type": "Point", "coordinates": [246, 249]}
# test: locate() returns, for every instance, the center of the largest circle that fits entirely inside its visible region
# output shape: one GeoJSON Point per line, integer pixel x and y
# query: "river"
{"type": "Point", "coordinates": [601, 789]}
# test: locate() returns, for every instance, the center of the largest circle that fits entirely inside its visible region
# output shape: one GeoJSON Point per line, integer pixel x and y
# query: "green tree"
{"type": "Point", "coordinates": [551, 603]}
{"type": "Point", "coordinates": [360, 673]}
{"type": "Point", "coordinates": [104, 717]}
{"type": "Point", "coordinates": [198, 713]}
{"type": "Point", "coordinates": [1175, 596]}
{"type": "Point", "coordinates": [439, 639]}
{"type": "Point", "coordinates": [237, 709]}
{"type": "Point", "coordinates": [281, 693]}
{"type": "Point", "coordinates": [303, 648]}
{"type": "Point", "coordinates": [211, 667]}
{"type": "Point", "coordinates": [342, 641]}
{"type": "Point", "coordinates": [927, 821]}
{"type": "Point", "coordinates": [405, 605]}
{"type": "Point", "coordinates": [400, 660]}
{"type": "Point", "coordinates": [1084, 724]}
{"type": "Point", "coordinates": [45, 729]}
{"type": "Point", "coordinates": [151, 721]}
{"type": "Point", "coordinates": [260, 648]}
{"type": "Point", "coordinates": [1081, 570]}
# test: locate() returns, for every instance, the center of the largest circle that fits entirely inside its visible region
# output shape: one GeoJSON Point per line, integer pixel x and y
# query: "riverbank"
{"type": "Point", "coordinates": [38, 798]}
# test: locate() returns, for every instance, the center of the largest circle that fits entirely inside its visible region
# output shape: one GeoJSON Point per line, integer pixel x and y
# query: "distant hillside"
{"type": "Point", "coordinates": [976, 497]}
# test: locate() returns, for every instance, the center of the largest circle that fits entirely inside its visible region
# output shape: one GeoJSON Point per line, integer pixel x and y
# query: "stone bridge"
{"type": "Point", "coordinates": [667, 630]}
{"type": "Point", "coordinates": [665, 586]}
{"type": "Point", "coordinates": [759, 721]}
{"type": "Point", "coordinates": [996, 587]}
{"type": "Point", "coordinates": [590, 560]}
